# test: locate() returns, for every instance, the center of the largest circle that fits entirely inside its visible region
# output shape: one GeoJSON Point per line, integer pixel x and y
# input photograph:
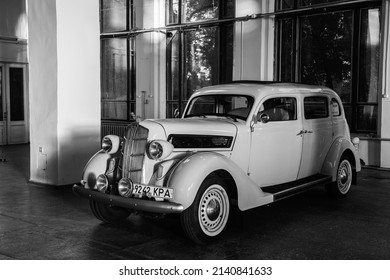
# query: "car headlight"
{"type": "Point", "coordinates": [111, 143]}
{"type": "Point", "coordinates": [159, 149]}
{"type": "Point", "coordinates": [102, 183]}
{"type": "Point", "coordinates": [125, 187]}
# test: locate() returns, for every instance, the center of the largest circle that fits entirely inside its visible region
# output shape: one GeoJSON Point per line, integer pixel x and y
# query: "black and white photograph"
{"type": "Point", "coordinates": [174, 139]}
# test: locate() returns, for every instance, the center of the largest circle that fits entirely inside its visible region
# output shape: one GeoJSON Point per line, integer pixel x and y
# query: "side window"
{"type": "Point", "coordinates": [279, 109]}
{"type": "Point", "coordinates": [316, 107]}
{"type": "Point", "coordinates": [336, 109]}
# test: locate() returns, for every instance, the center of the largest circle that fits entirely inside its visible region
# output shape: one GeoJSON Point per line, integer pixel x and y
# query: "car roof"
{"type": "Point", "coordinates": [262, 88]}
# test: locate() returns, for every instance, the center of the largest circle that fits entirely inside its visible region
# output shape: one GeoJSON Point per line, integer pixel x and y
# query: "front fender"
{"type": "Point", "coordinates": [338, 148]}
{"type": "Point", "coordinates": [96, 165]}
{"type": "Point", "coordinates": [192, 170]}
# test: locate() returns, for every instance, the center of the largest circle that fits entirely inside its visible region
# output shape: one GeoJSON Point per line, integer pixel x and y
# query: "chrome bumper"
{"type": "Point", "coordinates": [129, 203]}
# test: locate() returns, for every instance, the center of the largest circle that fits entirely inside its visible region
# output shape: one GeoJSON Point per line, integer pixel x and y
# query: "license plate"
{"type": "Point", "coordinates": [152, 191]}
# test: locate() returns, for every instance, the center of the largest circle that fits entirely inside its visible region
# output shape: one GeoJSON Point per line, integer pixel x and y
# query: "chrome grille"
{"type": "Point", "coordinates": [134, 152]}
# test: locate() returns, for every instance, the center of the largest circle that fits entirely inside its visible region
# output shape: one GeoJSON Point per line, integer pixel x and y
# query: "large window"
{"type": "Point", "coordinates": [117, 61]}
{"type": "Point", "coordinates": [337, 45]}
{"type": "Point", "coordinates": [198, 49]}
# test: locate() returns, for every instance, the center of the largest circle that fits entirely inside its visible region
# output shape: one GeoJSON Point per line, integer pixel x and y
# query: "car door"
{"type": "Point", "coordinates": [317, 134]}
{"type": "Point", "coordinates": [275, 144]}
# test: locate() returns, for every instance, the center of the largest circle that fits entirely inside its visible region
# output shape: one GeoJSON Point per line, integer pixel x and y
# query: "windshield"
{"type": "Point", "coordinates": [233, 106]}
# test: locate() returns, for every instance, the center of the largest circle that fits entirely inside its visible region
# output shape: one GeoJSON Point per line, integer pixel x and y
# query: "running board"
{"type": "Point", "coordinates": [288, 189]}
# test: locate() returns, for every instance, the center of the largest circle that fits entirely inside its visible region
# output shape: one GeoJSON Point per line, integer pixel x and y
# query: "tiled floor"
{"type": "Point", "coordinates": [46, 222]}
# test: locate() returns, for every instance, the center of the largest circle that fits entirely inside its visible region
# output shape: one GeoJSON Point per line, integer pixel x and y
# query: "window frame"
{"type": "Point", "coordinates": [224, 24]}
{"type": "Point", "coordinates": [130, 61]}
{"type": "Point", "coordinates": [295, 14]}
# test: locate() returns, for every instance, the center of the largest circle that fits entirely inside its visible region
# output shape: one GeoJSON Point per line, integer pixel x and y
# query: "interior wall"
{"type": "Point", "coordinates": [43, 91]}
{"type": "Point", "coordinates": [64, 88]}
{"type": "Point", "coordinates": [78, 66]}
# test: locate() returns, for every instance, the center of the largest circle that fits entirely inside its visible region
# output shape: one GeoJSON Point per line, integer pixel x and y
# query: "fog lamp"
{"type": "Point", "coordinates": [102, 183]}
{"type": "Point", "coordinates": [125, 187]}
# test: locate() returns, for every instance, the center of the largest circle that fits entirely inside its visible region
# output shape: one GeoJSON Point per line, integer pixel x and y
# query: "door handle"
{"type": "Point", "coordinates": [303, 132]}
{"type": "Point", "coordinates": [5, 115]}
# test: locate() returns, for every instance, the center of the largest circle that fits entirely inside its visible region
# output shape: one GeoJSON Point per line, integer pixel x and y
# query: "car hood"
{"type": "Point", "coordinates": [192, 126]}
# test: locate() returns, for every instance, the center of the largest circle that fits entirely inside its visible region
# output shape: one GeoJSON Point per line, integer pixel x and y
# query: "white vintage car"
{"type": "Point", "coordinates": [246, 143]}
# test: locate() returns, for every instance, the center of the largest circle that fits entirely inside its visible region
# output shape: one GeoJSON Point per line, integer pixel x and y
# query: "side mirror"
{"type": "Point", "coordinates": [264, 118]}
{"type": "Point", "coordinates": [176, 113]}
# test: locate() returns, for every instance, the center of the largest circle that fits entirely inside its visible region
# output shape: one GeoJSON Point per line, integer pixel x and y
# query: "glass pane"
{"type": "Point", "coordinates": [369, 56]}
{"type": "Point", "coordinates": [316, 107]}
{"type": "Point", "coordinates": [279, 109]}
{"type": "Point", "coordinates": [172, 11]}
{"type": "Point", "coordinates": [316, 2]}
{"type": "Point", "coordinates": [16, 87]}
{"type": "Point", "coordinates": [114, 78]}
{"type": "Point", "coordinates": [221, 105]}
{"type": "Point", "coordinates": [326, 52]}
{"type": "Point", "coordinates": [285, 4]}
{"type": "Point", "coordinates": [113, 15]}
{"type": "Point", "coordinates": [1, 94]}
{"type": "Point", "coordinates": [229, 10]}
{"type": "Point", "coordinates": [348, 115]}
{"type": "Point", "coordinates": [286, 50]}
{"type": "Point", "coordinates": [114, 110]}
{"type": "Point", "coordinates": [173, 52]}
{"type": "Point", "coordinates": [227, 35]}
{"type": "Point", "coordinates": [367, 118]}
{"type": "Point", "coordinates": [198, 10]}
{"type": "Point", "coordinates": [201, 60]}
{"type": "Point", "coordinates": [336, 108]}
{"type": "Point", "coordinates": [171, 107]}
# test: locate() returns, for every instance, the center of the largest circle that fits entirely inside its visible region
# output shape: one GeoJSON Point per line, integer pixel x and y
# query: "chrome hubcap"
{"type": "Point", "coordinates": [213, 210]}
{"type": "Point", "coordinates": [344, 176]}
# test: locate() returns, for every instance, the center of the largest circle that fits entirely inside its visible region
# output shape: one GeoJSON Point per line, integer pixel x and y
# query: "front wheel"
{"type": "Point", "coordinates": [206, 219]}
{"type": "Point", "coordinates": [107, 213]}
{"type": "Point", "coordinates": [342, 185]}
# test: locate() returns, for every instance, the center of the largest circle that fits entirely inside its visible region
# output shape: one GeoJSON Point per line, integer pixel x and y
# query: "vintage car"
{"type": "Point", "coordinates": [243, 144]}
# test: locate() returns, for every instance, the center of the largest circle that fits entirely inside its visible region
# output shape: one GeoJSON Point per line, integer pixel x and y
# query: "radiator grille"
{"type": "Point", "coordinates": [134, 152]}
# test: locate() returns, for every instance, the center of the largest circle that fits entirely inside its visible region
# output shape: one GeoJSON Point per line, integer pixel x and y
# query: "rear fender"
{"type": "Point", "coordinates": [189, 174]}
{"type": "Point", "coordinates": [340, 146]}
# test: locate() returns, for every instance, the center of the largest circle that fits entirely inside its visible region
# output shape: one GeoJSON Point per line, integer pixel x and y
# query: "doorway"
{"type": "Point", "coordinates": [13, 104]}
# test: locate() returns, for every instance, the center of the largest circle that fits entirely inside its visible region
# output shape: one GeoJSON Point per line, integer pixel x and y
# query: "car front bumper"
{"type": "Point", "coordinates": [129, 203]}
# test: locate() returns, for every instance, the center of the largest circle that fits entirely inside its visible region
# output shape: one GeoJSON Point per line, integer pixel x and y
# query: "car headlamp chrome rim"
{"type": "Point", "coordinates": [155, 150]}
{"type": "Point", "coordinates": [111, 143]}
{"type": "Point", "coordinates": [106, 144]}
{"type": "Point", "coordinates": [102, 183]}
{"type": "Point", "coordinates": [159, 149]}
{"type": "Point", "coordinates": [125, 187]}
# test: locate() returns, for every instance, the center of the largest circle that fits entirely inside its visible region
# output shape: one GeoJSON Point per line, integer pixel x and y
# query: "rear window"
{"type": "Point", "coordinates": [316, 107]}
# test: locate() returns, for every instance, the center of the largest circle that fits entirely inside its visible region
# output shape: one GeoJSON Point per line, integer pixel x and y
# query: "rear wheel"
{"type": "Point", "coordinates": [206, 219]}
{"type": "Point", "coordinates": [342, 185]}
{"type": "Point", "coordinates": [107, 213]}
